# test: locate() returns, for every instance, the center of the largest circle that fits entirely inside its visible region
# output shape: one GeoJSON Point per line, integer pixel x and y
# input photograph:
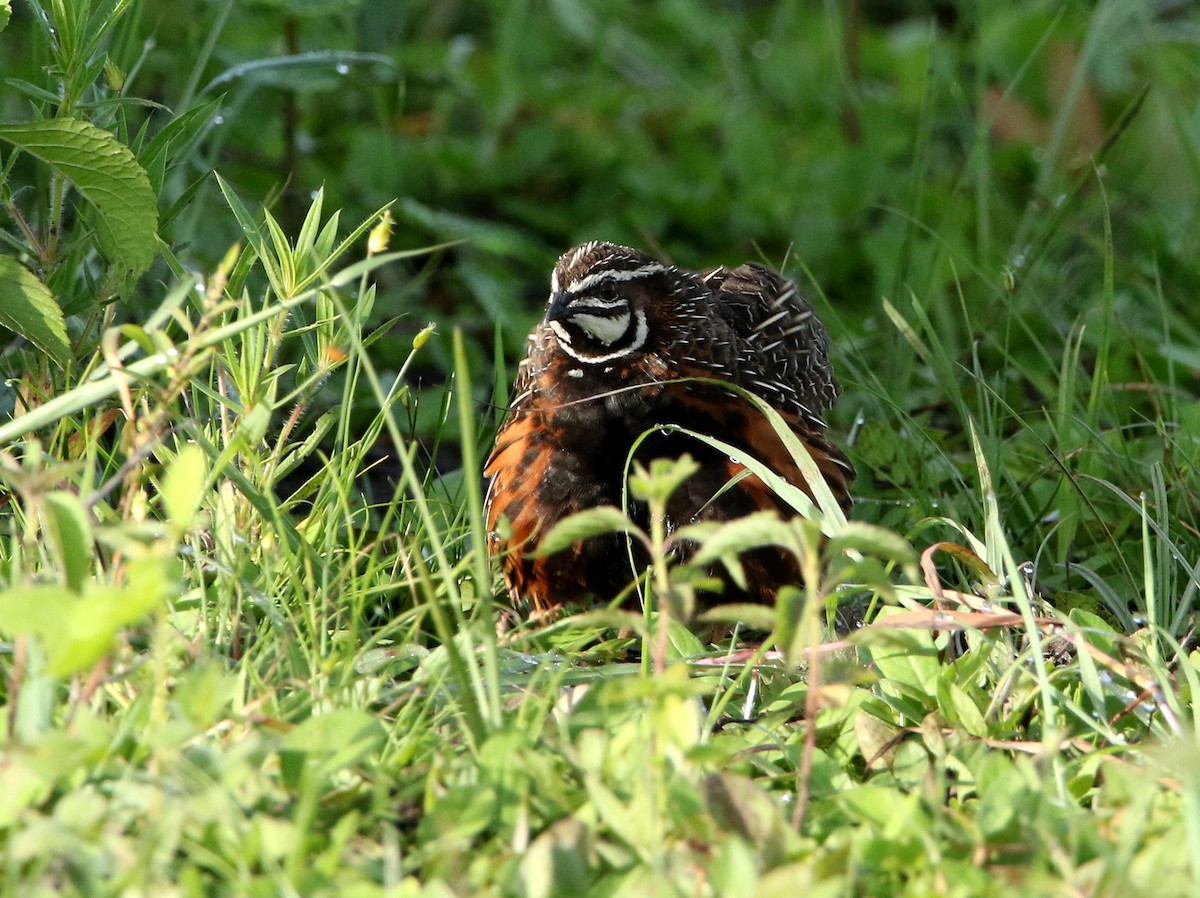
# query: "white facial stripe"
{"type": "Point", "coordinates": [641, 331]}
{"type": "Point", "coordinates": [605, 329]}
{"type": "Point", "coordinates": [560, 332]}
{"type": "Point", "coordinates": [592, 302]}
{"type": "Point", "coordinates": [585, 284]}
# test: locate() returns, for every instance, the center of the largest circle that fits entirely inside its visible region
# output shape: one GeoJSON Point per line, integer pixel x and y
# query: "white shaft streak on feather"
{"type": "Point", "coordinates": [763, 325]}
{"type": "Point", "coordinates": [589, 281]}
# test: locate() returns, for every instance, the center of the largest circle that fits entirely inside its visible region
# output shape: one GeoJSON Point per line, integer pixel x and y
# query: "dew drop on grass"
{"type": "Point", "coordinates": [342, 69]}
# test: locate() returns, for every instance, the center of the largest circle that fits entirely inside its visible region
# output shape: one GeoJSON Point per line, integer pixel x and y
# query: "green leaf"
{"type": "Point", "coordinates": [958, 707]}
{"type": "Point", "coordinates": [5, 13]}
{"type": "Point", "coordinates": [28, 308]}
{"type": "Point", "coordinates": [873, 540]}
{"type": "Point", "coordinates": [71, 536]}
{"type": "Point", "coordinates": [332, 732]}
{"type": "Point", "coordinates": [757, 617]}
{"type": "Point", "coordinates": [762, 528]}
{"type": "Point", "coordinates": [183, 487]}
{"type": "Point", "coordinates": [664, 476]}
{"type": "Point", "coordinates": [593, 522]}
{"type": "Point", "coordinates": [171, 143]}
{"type": "Point", "coordinates": [93, 621]}
{"type": "Point", "coordinates": [336, 739]}
{"type": "Point", "coordinates": [76, 631]}
{"type": "Point", "coordinates": [32, 611]}
{"type": "Point", "coordinates": [906, 658]}
{"type": "Point", "coordinates": [108, 176]}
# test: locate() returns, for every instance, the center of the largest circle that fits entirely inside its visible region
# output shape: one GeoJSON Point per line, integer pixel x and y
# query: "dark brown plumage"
{"type": "Point", "coordinates": [604, 367]}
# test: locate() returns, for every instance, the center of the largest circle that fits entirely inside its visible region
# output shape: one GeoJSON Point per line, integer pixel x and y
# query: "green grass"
{"type": "Point", "coordinates": [248, 637]}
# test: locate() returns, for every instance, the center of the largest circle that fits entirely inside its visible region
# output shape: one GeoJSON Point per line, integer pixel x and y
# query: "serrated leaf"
{"type": "Point", "coordinates": [593, 522]}
{"type": "Point", "coordinates": [28, 308]}
{"type": "Point", "coordinates": [108, 176]}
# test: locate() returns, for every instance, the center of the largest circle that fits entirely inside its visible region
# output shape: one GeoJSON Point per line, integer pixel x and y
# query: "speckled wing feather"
{"type": "Point", "coordinates": [782, 348]}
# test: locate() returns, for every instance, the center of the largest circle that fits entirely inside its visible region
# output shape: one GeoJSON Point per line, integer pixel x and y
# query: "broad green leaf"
{"type": "Point", "coordinates": [86, 628]}
{"type": "Point", "coordinates": [33, 611]}
{"type": "Point", "coordinates": [664, 476]}
{"type": "Point", "coordinates": [71, 536]}
{"type": "Point", "coordinates": [5, 13]}
{"type": "Point", "coordinates": [28, 308]}
{"type": "Point", "coordinates": [739, 805]}
{"type": "Point", "coordinates": [557, 861]}
{"type": "Point", "coordinates": [183, 487]}
{"type": "Point", "coordinates": [906, 658]}
{"type": "Point", "coordinates": [958, 707]}
{"type": "Point", "coordinates": [75, 630]}
{"type": "Point", "coordinates": [682, 642]}
{"type": "Point", "coordinates": [337, 739]}
{"type": "Point", "coordinates": [757, 617]}
{"type": "Point", "coordinates": [20, 787]}
{"type": "Point", "coordinates": [329, 733]}
{"type": "Point", "coordinates": [108, 176]}
{"type": "Point", "coordinates": [873, 540]}
{"type": "Point", "coordinates": [763, 528]}
{"type": "Point", "coordinates": [878, 805]}
{"type": "Point", "coordinates": [593, 522]}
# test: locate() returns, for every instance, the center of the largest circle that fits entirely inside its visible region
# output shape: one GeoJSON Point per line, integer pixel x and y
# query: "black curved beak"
{"type": "Point", "coordinates": [560, 306]}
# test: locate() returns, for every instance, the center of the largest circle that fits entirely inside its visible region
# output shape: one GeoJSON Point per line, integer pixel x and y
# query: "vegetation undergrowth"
{"type": "Point", "coordinates": [250, 642]}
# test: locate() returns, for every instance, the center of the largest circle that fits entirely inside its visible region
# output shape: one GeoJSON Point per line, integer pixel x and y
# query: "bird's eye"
{"type": "Point", "coordinates": [607, 290]}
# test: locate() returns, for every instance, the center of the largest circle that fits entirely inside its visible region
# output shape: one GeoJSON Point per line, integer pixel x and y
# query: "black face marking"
{"type": "Point", "coordinates": [590, 310]}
